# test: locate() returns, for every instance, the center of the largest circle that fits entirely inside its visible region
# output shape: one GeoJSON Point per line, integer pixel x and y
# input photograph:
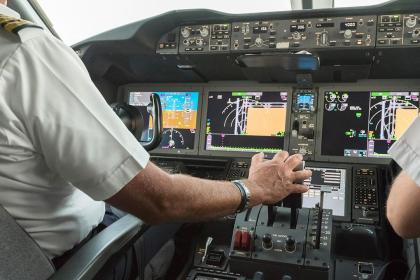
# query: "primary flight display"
{"type": "Point", "coordinates": [180, 113]}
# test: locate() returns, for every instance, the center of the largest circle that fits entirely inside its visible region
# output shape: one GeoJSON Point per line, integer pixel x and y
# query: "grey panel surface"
{"type": "Point", "coordinates": [20, 256]}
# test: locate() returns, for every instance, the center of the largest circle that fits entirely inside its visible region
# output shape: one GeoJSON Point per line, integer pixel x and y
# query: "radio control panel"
{"type": "Point", "coordinates": [398, 30]}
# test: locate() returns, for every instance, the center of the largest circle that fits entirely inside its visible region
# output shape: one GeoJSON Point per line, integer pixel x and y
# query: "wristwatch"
{"type": "Point", "coordinates": [245, 195]}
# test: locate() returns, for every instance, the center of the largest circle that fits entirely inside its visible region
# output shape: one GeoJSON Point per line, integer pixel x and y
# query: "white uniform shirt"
{"type": "Point", "coordinates": [406, 151]}
{"type": "Point", "coordinates": [62, 149]}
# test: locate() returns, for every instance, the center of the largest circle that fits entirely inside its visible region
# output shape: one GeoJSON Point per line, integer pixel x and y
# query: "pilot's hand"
{"type": "Point", "coordinates": [275, 178]}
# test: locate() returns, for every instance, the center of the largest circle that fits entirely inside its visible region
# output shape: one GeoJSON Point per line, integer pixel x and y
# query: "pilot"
{"type": "Point", "coordinates": [403, 207]}
{"type": "Point", "coordinates": [63, 152]}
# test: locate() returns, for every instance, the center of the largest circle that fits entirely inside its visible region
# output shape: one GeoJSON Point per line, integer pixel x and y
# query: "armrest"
{"type": "Point", "coordinates": [88, 261]}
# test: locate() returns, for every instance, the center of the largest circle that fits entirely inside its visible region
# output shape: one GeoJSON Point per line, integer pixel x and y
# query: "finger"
{"type": "Point", "coordinates": [296, 188]}
{"type": "Point", "coordinates": [281, 156]}
{"type": "Point", "coordinates": [294, 161]}
{"type": "Point", "coordinates": [257, 158]}
{"type": "Point", "coordinates": [301, 175]}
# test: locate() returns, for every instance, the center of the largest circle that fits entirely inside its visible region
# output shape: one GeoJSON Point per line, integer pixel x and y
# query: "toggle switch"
{"type": "Point", "coordinates": [237, 240]}
{"type": "Point", "coordinates": [246, 241]}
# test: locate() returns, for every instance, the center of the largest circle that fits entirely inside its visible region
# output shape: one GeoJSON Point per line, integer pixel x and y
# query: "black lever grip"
{"type": "Point", "coordinates": [155, 109]}
{"type": "Point", "coordinates": [295, 200]}
{"type": "Point", "coordinates": [134, 120]}
{"type": "Point", "coordinates": [131, 118]}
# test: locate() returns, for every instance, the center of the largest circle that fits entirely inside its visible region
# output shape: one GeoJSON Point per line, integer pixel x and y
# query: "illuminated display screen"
{"type": "Point", "coordinates": [366, 124]}
{"type": "Point", "coordinates": [246, 121]}
{"type": "Point", "coordinates": [348, 25]}
{"type": "Point", "coordinates": [335, 179]}
{"type": "Point", "coordinates": [298, 28]}
{"type": "Point", "coordinates": [180, 110]}
{"type": "Point", "coordinates": [305, 102]}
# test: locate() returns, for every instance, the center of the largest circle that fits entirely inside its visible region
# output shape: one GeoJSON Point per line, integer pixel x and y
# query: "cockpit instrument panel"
{"type": "Point", "coordinates": [354, 123]}
{"type": "Point", "coordinates": [285, 34]}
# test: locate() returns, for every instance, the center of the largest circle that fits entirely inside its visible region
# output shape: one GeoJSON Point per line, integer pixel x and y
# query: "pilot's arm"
{"type": "Point", "coordinates": [403, 207]}
{"type": "Point", "coordinates": [158, 197]}
{"type": "Point", "coordinates": [84, 142]}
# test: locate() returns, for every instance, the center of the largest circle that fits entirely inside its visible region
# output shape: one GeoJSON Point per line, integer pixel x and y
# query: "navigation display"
{"type": "Point", "coordinates": [179, 111]}
{"type": "Point", "coordinates": [366, 124]}
{"type": "Point", "coordinates": [242, 121]}
{"type": "Point", "coordinates": [335, 180]}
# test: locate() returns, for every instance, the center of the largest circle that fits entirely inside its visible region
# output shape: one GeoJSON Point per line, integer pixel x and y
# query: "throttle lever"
{"type": "Point", "coordinates": [294, 201]}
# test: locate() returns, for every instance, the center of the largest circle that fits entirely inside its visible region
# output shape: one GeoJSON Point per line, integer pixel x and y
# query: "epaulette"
{"type": "Point", "coordinates": [14, 25]}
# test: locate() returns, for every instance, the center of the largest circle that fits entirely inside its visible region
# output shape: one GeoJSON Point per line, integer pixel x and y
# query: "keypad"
{"type": "Point", "coordinates": [365, 188]}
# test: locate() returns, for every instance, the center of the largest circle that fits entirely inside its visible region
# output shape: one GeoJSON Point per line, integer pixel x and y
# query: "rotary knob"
{"type": "Point", "coordinates": [185, 32]}
{"type": "Point", "coordinates": [290, 244]}
{"type": "Point", "coordinates": [416, 33]}
{"type": "Point", "coordinates": [411, 22]}
{"type": "Point", "coordinates": [348, 34]}
{"type": "Point", "coordinates": [199, 42]}
{"type": "Point", "coordinates": [267, 241]}
{"type": "Point", "coordinates": [296, 36]}
{"type": "Point", "coordinates": [204, 31]}
{"type": "Point", "coordinates": [259, 42]}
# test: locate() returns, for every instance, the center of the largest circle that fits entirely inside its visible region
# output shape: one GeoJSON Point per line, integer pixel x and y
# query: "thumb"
{"type": "Point", "coordinates": [257, 158]}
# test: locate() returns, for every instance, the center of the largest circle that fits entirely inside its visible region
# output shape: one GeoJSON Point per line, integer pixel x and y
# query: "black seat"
{"type": "Point", "coordinates": [21, 258]}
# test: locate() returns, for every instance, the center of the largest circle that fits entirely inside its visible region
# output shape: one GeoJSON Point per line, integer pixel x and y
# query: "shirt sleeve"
{"type": "Point", "coordinates": [69, 122]}
{"type": "Point", "coordinates": [406, 151]}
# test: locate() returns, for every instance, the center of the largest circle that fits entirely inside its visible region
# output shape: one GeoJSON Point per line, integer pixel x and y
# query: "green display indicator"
{"type": "Point", "coordinates": [243, 149]}
{"type": "Point", "coordinates": [351, 133]}
{"type": "Point", "coordinates": [240, 93]}
{"type": "Point", "coordinates": [379, 94]}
